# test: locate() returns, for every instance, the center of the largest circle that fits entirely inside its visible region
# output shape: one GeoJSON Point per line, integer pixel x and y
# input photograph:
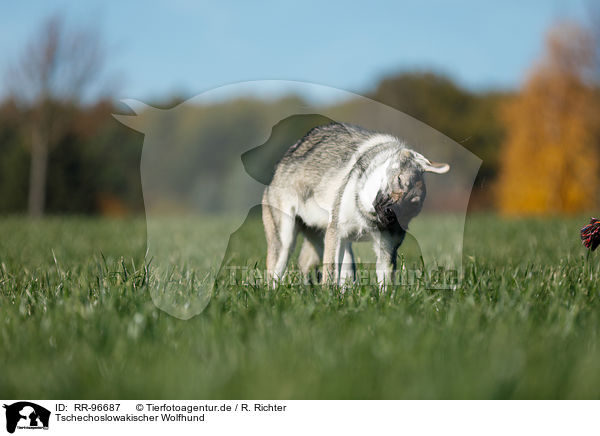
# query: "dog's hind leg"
{"type": "Point", "coordinates": [311, 252]}
{"type": "Point", "coordinates": [288, 232]}
{"type": "Point", "coordinates": [281, 232]}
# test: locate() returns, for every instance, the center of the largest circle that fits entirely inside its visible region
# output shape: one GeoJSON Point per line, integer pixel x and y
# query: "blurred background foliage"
{"type": "Point", "coordinates": [539, 145]}
{"type": "Point", "coordinates": [549, 158]}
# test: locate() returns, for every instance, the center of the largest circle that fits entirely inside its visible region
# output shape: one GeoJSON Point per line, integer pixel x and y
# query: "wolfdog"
{"type": "Point", "coordinates": [338, 184]}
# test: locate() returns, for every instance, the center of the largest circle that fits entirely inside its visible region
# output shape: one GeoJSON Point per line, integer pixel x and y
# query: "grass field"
{"type": "Point", "coordinates": [77, 321]}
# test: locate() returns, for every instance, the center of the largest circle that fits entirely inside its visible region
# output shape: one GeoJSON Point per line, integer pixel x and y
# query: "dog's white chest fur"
{"type": "Point", "coordinates": [361, 190]}
{"type": "Point", "coordinates": [317, 211]}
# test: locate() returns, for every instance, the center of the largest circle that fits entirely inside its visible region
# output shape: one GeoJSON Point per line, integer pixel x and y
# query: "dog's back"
{"type": "Point", "coordinates": [323, 150]}
{"type": "Point", "coordinates": [317, 163]}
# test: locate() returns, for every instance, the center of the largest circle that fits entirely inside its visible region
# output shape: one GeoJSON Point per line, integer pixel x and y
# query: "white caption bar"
{"type": "Point", "coordinates": [245, 417]}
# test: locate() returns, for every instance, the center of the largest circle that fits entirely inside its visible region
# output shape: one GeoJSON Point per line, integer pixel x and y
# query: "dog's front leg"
{"type": "Point", "coordinates": [347, 264]}
{"type": "Point", "coordinates": [385, 250]}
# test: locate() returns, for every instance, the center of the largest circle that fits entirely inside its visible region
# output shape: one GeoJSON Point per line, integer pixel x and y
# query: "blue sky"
{"type": "Point", "coordinates": [186, 47]}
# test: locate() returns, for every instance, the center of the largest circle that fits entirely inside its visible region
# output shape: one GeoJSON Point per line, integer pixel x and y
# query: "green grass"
{"type": "Point", "coordinates": [77, 321]}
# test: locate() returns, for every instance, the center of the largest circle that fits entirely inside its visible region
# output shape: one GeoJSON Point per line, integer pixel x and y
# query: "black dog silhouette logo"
{"type": "Point", "coordinates": [26, 415]}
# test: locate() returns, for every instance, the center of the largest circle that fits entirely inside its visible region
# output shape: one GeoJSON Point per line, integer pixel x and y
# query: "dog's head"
{"type": "Point", "coordinates": [404, 194]}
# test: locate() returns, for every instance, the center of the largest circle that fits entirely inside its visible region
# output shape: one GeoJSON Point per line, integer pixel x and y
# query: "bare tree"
{"type": "Point", "coordinates": [57, 70]}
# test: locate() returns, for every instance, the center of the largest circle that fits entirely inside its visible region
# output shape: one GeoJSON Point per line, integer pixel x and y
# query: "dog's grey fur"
{"type": "Point", "coordinates": [338, 184]}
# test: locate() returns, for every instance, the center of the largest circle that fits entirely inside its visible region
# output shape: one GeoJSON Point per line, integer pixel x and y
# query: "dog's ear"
{"type": "Point", "coordinates": [431, 167]}
{"type": "Point", "coordinates": [436, 167]}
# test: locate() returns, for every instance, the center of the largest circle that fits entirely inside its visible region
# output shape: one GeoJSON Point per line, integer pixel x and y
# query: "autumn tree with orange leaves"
{"type": "Point", "coordinates": [549, 161]}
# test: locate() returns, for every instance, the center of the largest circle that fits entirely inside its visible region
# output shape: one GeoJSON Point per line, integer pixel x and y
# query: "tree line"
{"type": "Point", "coordinates": [61, 151]}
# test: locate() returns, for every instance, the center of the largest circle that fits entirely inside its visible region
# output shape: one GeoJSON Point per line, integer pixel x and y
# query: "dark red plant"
{"type": "Point", "coordinates": [590, 234]}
